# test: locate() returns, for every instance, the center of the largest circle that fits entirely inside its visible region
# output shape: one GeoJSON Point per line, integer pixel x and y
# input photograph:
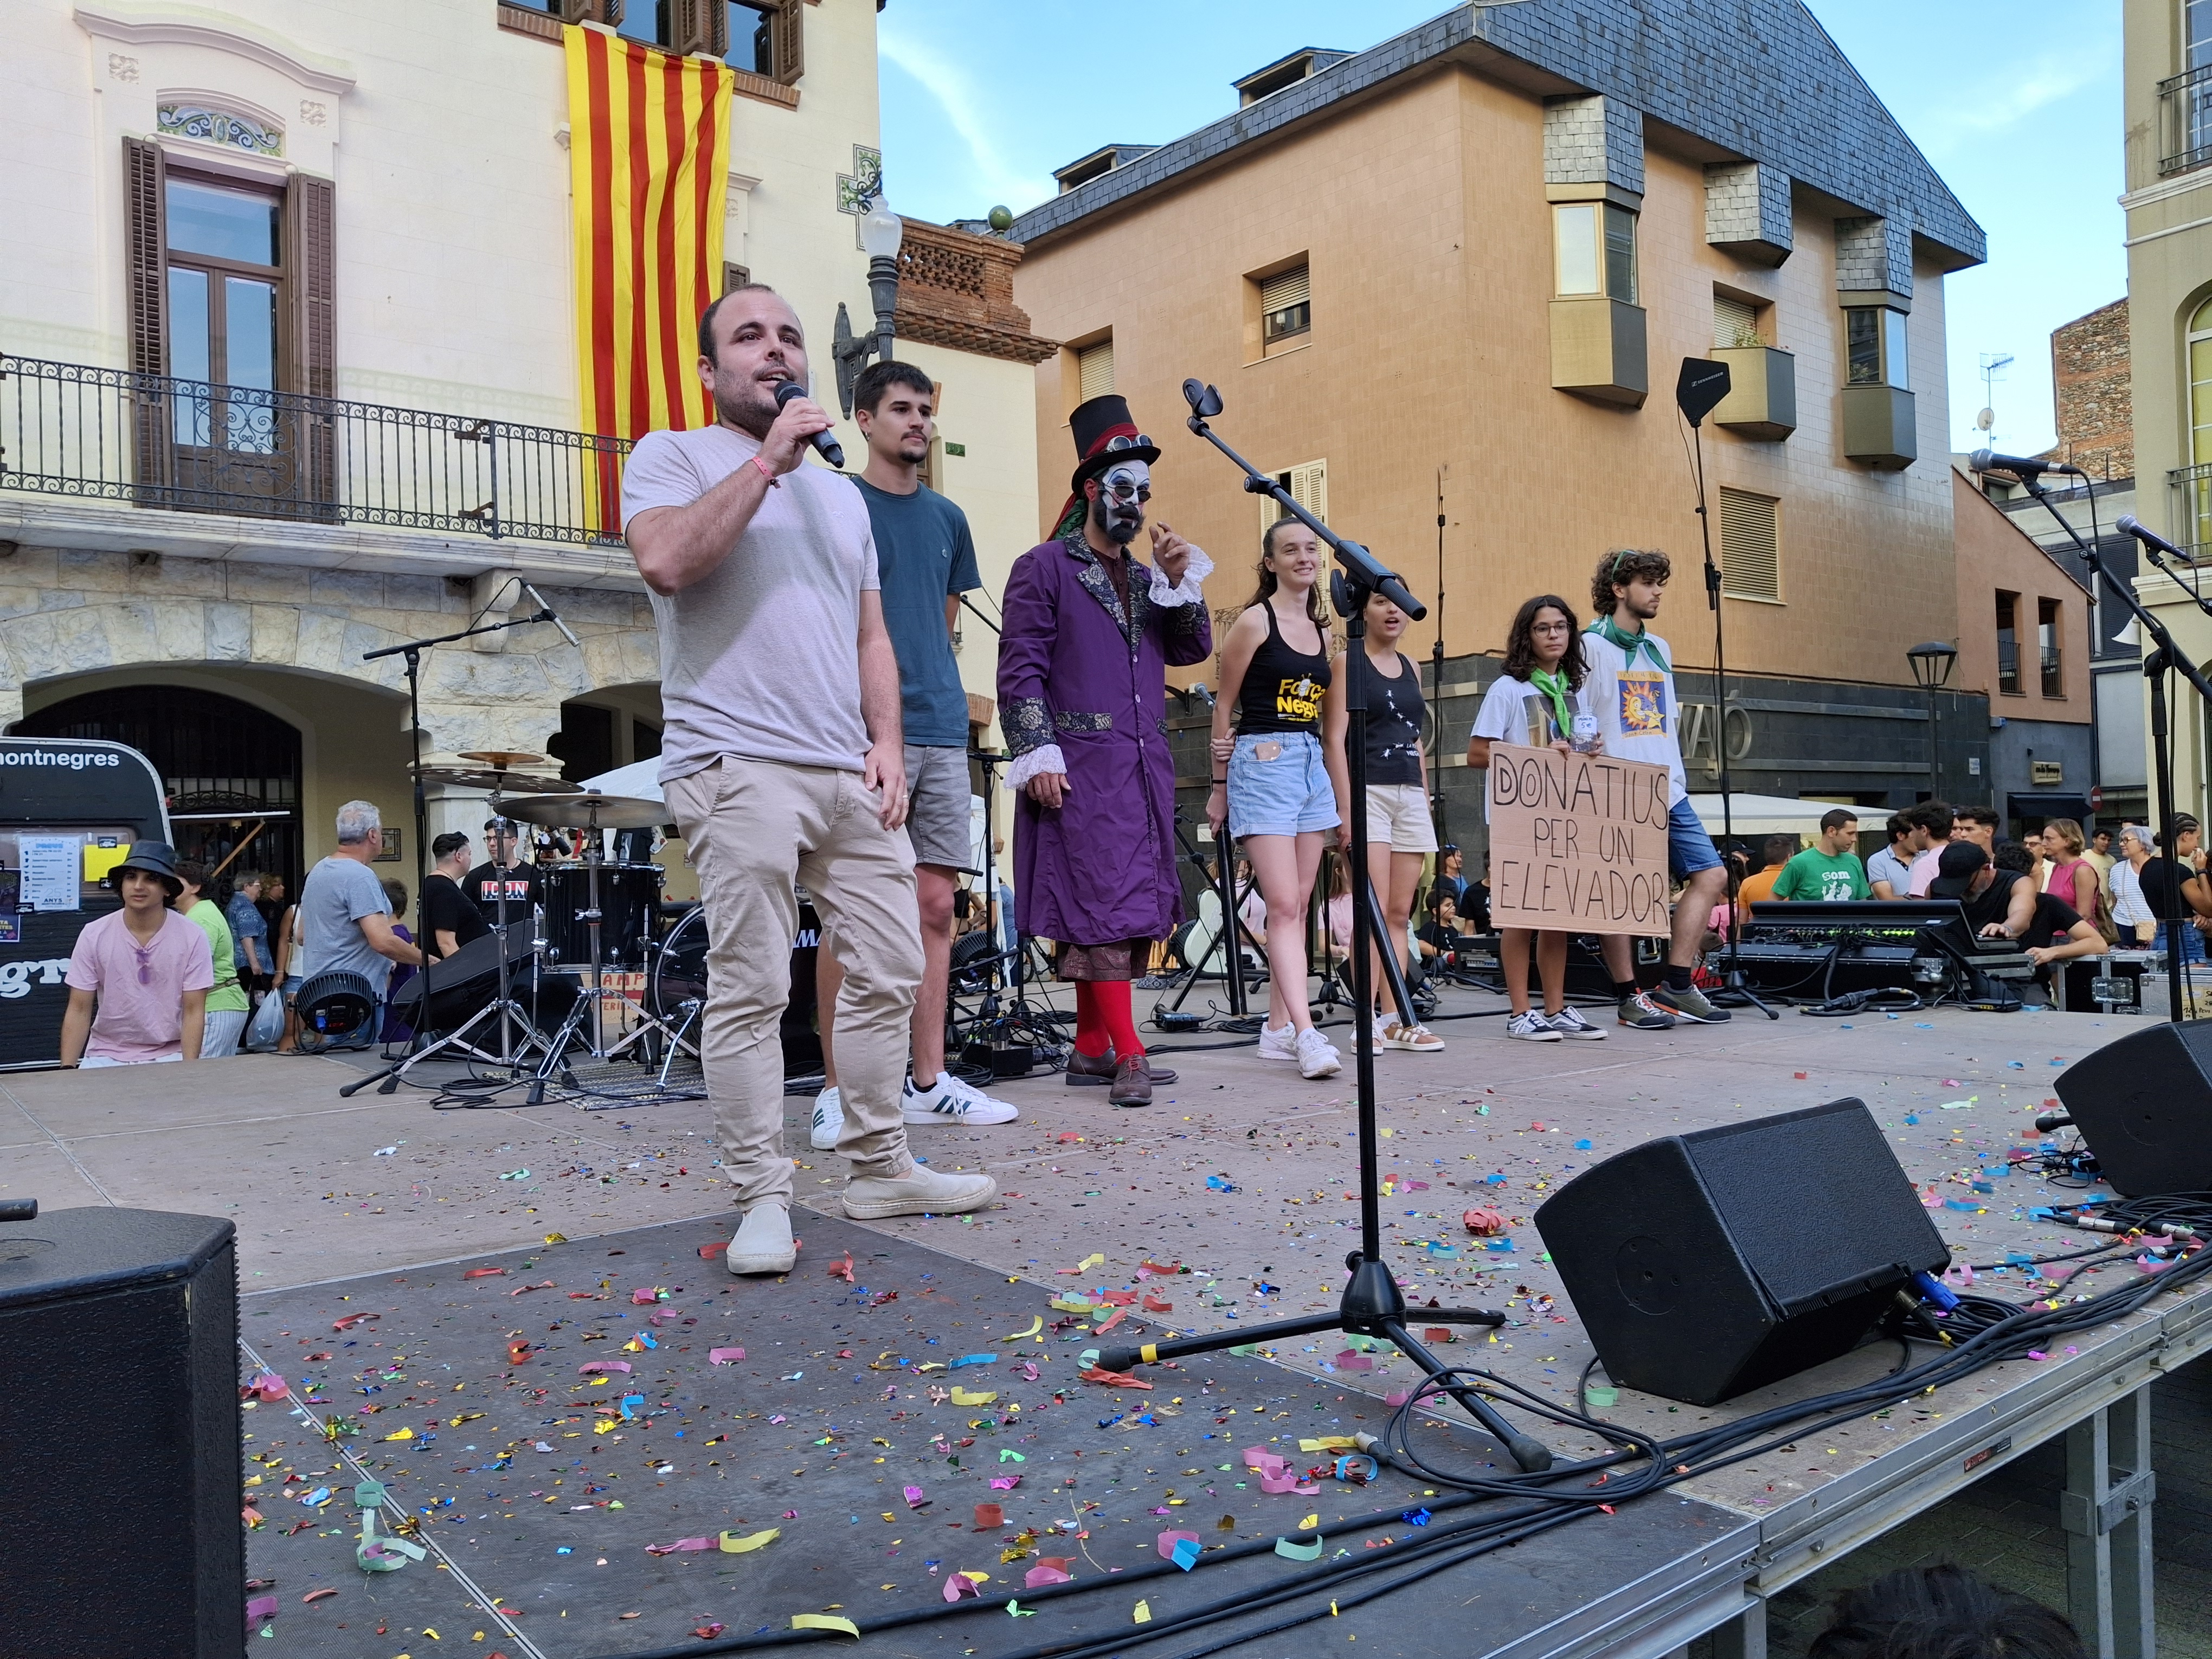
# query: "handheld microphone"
{"type": "Point", "coordinates": [548, 614]}
{"type": "Point", "coordinates": [2024, 466]}
{"type": "Point", "coordinates": [2131, 525]}
{"type": "Point", "coordinates": [2046, 1121]}
{"type": "Point", "coordinates": [826, 443]}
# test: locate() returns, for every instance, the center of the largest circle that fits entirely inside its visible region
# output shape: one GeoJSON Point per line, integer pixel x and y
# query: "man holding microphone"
{"type": "Point", "coordinates": [782, 759]}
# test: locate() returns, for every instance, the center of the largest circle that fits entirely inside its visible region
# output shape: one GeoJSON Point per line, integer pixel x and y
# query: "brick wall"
{"type": "Point", "coordinates": [2089, 375]}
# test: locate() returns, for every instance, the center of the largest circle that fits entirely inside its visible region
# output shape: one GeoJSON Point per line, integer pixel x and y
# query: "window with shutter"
{"type": "Point", "coordinates": [146, 283]}
{"type": "Point", "coordinates": [1736, 322]}
{"type": "Point", "coordinates": [1308, 483]}
{"type": "Point", "coordinates": [1095, 369]}
{"type": "Point", "coordinates": [1750, 553]}
{"type": "Point", "coordinates": [310, 262]}
{"type": "Point", "coordinates": [1285, 305]}
{"type": "Point", "coordinates": [790, 21]}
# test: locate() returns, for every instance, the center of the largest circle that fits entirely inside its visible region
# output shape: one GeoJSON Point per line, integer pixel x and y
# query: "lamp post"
{"type": "Point", "coordinates": [1931, 672]}
{"type": "Point", "coordinates": [881, 233]}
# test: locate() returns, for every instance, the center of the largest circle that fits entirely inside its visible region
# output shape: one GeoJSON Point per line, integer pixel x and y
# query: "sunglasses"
{"type": "Point", "coordinates": [1114, 446]}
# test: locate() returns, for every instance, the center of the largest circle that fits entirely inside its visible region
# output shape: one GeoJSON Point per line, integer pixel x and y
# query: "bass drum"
{"type": "Point", "coordinates": [629, 899]}
{"type": "Point", "coordinates": [677, 985]}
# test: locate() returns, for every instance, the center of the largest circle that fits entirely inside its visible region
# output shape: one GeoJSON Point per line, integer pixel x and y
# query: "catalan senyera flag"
{"type": "Point", "coordinates": [649, 147]}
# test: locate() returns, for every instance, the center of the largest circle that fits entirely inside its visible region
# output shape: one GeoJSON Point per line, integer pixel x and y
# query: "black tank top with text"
{"type": "Point", "coordinates": [1282, 687]}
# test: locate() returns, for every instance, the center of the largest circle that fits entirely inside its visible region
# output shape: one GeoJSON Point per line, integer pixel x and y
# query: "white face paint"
{"type": "Point", "coordinates": [1123, 489]}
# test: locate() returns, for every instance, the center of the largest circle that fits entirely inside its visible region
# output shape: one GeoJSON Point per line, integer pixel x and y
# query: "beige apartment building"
{"type": "Point", "coordinates": [1458, 273]}
{"type": "Point", "coordinates": [288, 324]}
{"type": "Point", "coordinates": [2168, 103]}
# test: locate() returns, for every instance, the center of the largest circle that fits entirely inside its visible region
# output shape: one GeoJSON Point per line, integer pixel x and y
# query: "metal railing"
{"type": "Point", "coordinates": [2191, 509]}
{"type": "Point", "coordinates": [2184, 121]}
{"type": "Point", "coordinates": [200, 446]}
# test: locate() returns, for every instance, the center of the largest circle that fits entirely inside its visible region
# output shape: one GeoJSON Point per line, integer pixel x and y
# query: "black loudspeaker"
{"type": "Point", "coordinates": [1706, 1265]}
{"type": "Point", "coordinates": [2144, 1106]}
{"type": "Point", "coordinates": [120, 1330]}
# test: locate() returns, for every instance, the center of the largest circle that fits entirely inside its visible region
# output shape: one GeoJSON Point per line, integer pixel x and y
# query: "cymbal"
{"type": "Point", "coordinates": [512, 783]}
{"type": "Point", "coordinates": [503, 760]}
{"type": "Point", "coordinates": [590, 812]}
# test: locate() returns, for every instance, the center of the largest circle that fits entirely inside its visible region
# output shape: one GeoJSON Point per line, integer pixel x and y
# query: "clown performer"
{"type": "Point", "coordinates": [1082, 694]}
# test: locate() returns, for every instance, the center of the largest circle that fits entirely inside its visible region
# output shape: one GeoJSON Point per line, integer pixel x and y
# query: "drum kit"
{"type": "Point", "coordinates": [599, 920]}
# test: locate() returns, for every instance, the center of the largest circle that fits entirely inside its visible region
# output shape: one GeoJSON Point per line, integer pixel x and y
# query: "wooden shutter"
{"type": "Point", "coordinates": [146, 278]}
{"type": "Point", "coordinates": [1750, 553]}
{"type": "Point", "coordinates": [1736, 322]}
{"type": "Point", "coordinates": [700, 27]}
{"type": "Point", "coordinates": [1308, 487]}
{"type": "Point", "coordinates": [311, 277]}
{"type": "Point", "coordinates": [1095, 367]}
{"type": "Point", "coordinates": [789, 31]}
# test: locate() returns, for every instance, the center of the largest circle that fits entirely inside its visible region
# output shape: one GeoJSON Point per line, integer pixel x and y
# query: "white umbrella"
{"type": "Point", "coordinates": [1769, 815]}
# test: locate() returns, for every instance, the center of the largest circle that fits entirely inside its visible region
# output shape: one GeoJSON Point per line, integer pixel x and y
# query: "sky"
{"type": "Point", "coordinates": [2017, 107]}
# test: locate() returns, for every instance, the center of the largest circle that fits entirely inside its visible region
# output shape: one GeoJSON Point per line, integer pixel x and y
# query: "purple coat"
{"type": "Point", "coordinates": [1075, 671]}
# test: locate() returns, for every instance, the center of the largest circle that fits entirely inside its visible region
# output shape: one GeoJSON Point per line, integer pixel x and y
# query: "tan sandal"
{"type": "Point", "coordinates": [1416, 1039]}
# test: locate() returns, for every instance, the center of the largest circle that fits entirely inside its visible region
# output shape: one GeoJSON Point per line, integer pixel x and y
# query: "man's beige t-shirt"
{"type": "Point", "coordinates": [761, 658]}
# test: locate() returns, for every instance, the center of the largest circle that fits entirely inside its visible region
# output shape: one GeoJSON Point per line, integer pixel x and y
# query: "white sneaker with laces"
{"type": "Point", "coordinates": [1317, 1057]}
{"type": "Point", "coordinates": [1278, 1045]}
{"type": "Point", "coordinates": [829, 1119]}
{"type": "Point", "coordinates": [1531, 1027]}
{"type": "Point", "coordinates": [949, 1100]}
{"type": "Point", "coordinates": [1569, 1023]}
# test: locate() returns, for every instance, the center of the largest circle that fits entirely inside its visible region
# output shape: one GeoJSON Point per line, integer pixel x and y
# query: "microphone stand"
{"type": "Point", "coordinates": [2167, 657]}
{"type": "Point", "coordinates": [1372, 1304]}
{"type": "Point", "coordinates": [1437, 681]}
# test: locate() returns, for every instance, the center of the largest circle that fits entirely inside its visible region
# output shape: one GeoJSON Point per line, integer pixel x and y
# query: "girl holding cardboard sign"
{"type": "Point", "coordinates": [1537, 703]}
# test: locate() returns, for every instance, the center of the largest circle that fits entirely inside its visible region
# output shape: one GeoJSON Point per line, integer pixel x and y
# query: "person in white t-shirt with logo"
{"type": "Point", "coordinates": [1632, 690]}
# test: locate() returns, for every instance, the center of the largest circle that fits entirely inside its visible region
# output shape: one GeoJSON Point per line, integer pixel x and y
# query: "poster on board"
{"type": "Point", "coordinates": [1577, 842]}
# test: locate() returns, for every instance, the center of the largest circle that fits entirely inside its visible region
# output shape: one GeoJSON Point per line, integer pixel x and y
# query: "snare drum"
{"type": "Point", "coordinates": [630, 900]}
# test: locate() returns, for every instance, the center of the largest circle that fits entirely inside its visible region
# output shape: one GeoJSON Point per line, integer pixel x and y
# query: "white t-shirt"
{"type": "Point", "coordinates": [1636, 710]}
{"type": "Point", "coordinates": [1515, 711]}
{"type": "Point", "coordinates": [760, 658]}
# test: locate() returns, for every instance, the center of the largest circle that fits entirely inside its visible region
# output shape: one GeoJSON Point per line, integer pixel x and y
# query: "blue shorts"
{"type": "Point", "coordinates": [1689, 848]}
{"type": "Point", "coordinates": [1285, 794]}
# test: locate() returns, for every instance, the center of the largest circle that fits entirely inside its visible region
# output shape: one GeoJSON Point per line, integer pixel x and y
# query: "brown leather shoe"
{"type": "Point", "coordinates": [1133, 1082]}
{"type": "Point", "coordinates": [1085, 1072]}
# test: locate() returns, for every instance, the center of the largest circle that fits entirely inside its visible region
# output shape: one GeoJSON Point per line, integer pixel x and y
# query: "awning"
{"type": "Point", "coordinates": [2031, 804]}
{"type": "Point", "coordinates": [1769, 815]}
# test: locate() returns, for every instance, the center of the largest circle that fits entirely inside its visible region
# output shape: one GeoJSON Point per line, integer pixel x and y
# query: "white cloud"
{"type": "Point", "coordinates": [961, 100]}
{"type": "Point", "coordinates": [2019, 91]}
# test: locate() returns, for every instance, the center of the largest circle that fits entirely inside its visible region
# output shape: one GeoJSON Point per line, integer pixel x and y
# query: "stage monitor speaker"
{"type": "Point", "coordinates": [1709, 1264]}
{"type": "Point", "coordinates": [2144, 1106]}
{"type": "Point", "coordinates": [123, 1325]}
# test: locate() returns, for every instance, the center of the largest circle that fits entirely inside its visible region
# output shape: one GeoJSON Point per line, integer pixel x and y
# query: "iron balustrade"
{"type": "Point", "coordinates": [2185, 106]}
{"type": "Point", "coordinates": [2193, 508]}
{"type": "Point", "coordinates": [202, 446]}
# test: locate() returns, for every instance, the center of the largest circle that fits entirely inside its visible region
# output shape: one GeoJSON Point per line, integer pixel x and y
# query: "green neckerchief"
{"type": "Point", "coordinates": [1556, 691]}
{"type": "Point", "coordinates": [1610, 631]}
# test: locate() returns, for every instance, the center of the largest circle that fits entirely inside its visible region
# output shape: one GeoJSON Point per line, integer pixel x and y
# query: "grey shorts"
{"type": "Point", "coordinates": [937, 813]}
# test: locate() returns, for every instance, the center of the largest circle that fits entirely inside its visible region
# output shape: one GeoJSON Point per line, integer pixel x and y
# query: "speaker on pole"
{"type": "Point", "coordinates": [2144, 1106]}
{"type": "Point", "coordinates": [126, 1323]}
{"type": "Point", "coordinates": [1709, 1264]}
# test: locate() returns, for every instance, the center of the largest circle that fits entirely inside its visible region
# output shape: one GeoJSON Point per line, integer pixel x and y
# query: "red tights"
{"type": "Point", "coordinates": [1103, 1020]}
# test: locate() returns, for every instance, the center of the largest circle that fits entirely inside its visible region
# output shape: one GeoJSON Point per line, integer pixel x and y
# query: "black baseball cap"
{"type": "Point", "coordinates": [1962, 860]}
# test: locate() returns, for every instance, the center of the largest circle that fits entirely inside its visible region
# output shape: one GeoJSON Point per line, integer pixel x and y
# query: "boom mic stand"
{"type": "Point", "coordinates": [1372, 1304]}
{"type": "Point", "coordinates": [1697, 390]}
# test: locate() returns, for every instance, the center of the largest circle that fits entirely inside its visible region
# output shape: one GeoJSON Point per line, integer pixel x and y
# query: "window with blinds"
{"type": "Point", "coordinates": [1751, 563]}
{"type": "Point", "coordinates": [1736, 322]}
{"type": "Point", "coordinates": [1094, 367]}
{"type": "Point", "coordinates": [1285, 305]}
{"type": "Point", "coordinates": [1308, 483]}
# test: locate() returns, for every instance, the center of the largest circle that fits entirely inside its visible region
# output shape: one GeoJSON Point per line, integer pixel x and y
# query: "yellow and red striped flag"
{"type": "Point", "coordinates": [648, 148]}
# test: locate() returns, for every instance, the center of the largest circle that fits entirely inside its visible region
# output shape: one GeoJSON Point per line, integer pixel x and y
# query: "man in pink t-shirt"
{"type": "Point", "coordinates": [149, 969]}
{"type": "Point", "coordinates": [1931, 833]}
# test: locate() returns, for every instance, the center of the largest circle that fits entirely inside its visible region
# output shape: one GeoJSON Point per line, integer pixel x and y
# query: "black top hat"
{"type": "Point", "coordinates": [1104, 434]}
{"type": "Point", "coordinates": [153, 858]}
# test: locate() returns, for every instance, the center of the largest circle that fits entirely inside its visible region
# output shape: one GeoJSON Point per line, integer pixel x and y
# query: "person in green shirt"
{"type": "Point", "coordinates": [1828, 872]}
{"type": "Point", "coordinates": [227, 1004]}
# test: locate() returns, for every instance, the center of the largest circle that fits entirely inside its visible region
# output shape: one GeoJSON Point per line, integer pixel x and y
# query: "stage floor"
{"type": "Point", "coordinates": [1240, 1173]}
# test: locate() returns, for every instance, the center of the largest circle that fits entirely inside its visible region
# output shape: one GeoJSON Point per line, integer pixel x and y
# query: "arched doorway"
{"type": "Point", "coordinates": [231, 770]}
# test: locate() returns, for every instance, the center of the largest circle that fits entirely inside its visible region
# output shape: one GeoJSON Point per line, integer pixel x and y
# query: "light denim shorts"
{"type": "Point", "coordinates": [1278, 786]}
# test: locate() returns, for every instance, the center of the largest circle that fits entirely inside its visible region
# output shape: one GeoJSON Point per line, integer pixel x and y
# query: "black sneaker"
{"type": "Point", "coordinates": [1689, 1004]}
{"type": "Point", "coordinates": [1638, 1011]}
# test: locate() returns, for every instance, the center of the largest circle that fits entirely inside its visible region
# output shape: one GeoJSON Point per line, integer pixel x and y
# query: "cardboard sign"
{"type": "Point", "coordinates": [1577, 842]}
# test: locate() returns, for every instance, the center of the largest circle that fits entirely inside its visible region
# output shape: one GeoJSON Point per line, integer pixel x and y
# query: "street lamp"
{"type": "Point", "coordinates": [881, 233]}
{"type": "Point", "coordinates": [1931, 672]}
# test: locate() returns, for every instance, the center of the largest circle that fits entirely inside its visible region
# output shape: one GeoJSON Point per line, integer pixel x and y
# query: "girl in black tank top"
{"type": "Point", "coordinates": [1401, 828]}
{"type": "Point", "coordinates": [1271, 783]}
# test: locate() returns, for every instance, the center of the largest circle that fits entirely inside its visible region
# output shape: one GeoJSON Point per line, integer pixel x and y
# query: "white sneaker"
{"type": "Point", "coordinates": [1317, 1057]}
{"type": "Point", "coordinates": [763, 1244]}
{"type": "Point", "coordinates": [925, 1192]}
{"type": "Point", "coordinates": [1278, 1045]}
{"type": "Point", "coordinates": [1569, 1023]}
{"type": "Point", "coordinates": [1531, 1027]}
{"type": "Point", "coordinates": [829, 1119]}
{"type": "Point", "coordinates": [949, 1100]}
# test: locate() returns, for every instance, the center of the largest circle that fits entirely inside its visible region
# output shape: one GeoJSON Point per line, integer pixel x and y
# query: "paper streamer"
{"type": "Point", "coordinates": [733, 1545]}
{"type": "Point", "coordinates": [1291, 1552]}
{"type": "Point", "coordinates": [825, 1621]}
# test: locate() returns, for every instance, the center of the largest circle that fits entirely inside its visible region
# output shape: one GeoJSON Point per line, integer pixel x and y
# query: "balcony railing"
{"type": "Point", "coordinates": [2184, 120]}
{"type": "Point", "coordinates": [2192, 509]}
{"type": "Point", "coordinates": [198, 446]}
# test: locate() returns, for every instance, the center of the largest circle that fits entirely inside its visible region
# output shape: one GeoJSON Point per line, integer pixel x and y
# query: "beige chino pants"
{"type": "Point", "coordinates": [753, 829]}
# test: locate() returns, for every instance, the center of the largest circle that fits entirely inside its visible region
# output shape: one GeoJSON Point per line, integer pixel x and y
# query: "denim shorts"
{"type": "Point", "coordinates": [1689, 848]}
{"type": "Point", "coordinates": [1287, 793]}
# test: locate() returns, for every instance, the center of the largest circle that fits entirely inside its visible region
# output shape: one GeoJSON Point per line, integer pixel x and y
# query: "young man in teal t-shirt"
{"type": "Point", "coordinates": [1831, 871]}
